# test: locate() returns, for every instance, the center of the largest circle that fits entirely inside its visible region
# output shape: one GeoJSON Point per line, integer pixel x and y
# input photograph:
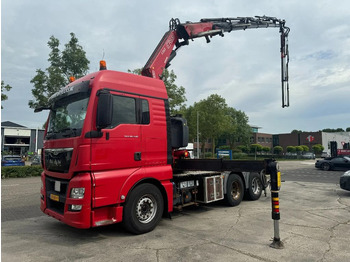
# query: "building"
{"type": "Point", "coordinates": [20, 140]}
{"type": "Point", "coordinates": [313, 138]}
{"type": "Point", "coordinates": [262, 139]}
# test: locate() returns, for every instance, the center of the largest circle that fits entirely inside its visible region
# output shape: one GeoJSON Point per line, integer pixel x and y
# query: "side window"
{"type": "Point", "coordinates": [144, 112]}
{"type": "Point", "coordinates": [124, 110]}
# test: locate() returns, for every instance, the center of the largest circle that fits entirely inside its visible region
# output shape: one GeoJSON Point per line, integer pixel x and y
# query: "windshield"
{"type": "Point", "coordinates": [67, 116]}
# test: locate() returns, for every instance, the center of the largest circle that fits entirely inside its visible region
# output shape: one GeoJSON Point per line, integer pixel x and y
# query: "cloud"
{"type": "Point", "coordinates": [243, 67]}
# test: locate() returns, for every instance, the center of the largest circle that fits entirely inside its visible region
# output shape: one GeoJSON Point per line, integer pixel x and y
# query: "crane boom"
{"type": "Point", "coordinates": [179, 35]}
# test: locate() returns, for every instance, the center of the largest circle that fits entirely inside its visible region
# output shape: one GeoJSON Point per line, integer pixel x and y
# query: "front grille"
{"type": "Point", "coordinates": [58, 159]}
{"type": "Point", "coordinates": [56, 193]}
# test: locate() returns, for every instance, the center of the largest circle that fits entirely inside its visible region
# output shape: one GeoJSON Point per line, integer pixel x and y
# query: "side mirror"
{"type": "Point", "coordinates": [104, 110]}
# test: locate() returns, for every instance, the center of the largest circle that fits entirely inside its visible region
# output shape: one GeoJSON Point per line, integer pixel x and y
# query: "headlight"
{"type": "Point", "coordinates": [77, 193]}
{"type": "Point", "coordinates": [347, 173]}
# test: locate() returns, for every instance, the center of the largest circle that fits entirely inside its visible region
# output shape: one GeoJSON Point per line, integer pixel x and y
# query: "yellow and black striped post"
{"type": "Point", "coordinates": [275, 178]}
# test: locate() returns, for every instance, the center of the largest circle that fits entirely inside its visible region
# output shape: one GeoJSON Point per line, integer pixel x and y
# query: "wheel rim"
{"type": "Point", "coordinates": [255, 186]}
{"type": "Point", "coordinates": [235, 191]}
{"type": "Point", "coordinates": [325, 167]}
{"type": "Point", "coordinates": [146, 209]}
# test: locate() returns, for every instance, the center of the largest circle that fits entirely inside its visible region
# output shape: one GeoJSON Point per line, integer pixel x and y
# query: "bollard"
{"type": "Point", "coordinates": [275, 178]}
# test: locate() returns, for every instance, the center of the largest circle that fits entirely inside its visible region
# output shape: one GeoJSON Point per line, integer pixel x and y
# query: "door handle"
{"type": "Point", "coordinates": [137, 156]}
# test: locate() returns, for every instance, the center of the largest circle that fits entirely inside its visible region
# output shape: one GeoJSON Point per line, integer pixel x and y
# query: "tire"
{"type": "Point", "coordinates": [234, 190]}
{"type": "Point", "coordinates": [143, 209]}
{"type": "Point", "coordinates": [326, 167]}
{"type": "Point", "coordinates": [255, 187]}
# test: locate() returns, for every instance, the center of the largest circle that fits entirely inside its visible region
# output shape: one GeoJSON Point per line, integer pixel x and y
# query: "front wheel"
{"type": "Point", "coordinates": [234, 190]}
{"type": "Point", "coordinates": [143, 209]}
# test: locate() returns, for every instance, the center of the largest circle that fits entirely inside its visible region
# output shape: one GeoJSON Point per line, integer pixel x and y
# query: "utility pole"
{"type": "Point", "coordinates": [197, 135]}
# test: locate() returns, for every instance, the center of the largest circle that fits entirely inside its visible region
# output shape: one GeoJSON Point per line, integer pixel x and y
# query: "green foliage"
{"type": "Point", "coordinates": [266, 149]}
{"type": "Point", "coordinates": [295, 131]}
{"type": "Point", "coordinates": [305, 148]}
{"type": "Point", "coordinates": [278, 150]}
{"type": "Point", "coordinates": [255, 148]}
{"type": "Point", "coordinates": [225, 147]}
{"type": "Point", "coordinates": [20, 171]}
{"type": "Point", "coordinates": [333, 130]}
{"type": "Point", "coordinates": [244, 149]}
{"type": "Point", "coordinates": [71, 61]}
{"type": "Point", "coordinates": [176, 93]}
{"type": "Point", "coordinates": [208, 155]}
{"type": "Point", "coordinates": [348, 129]}
{"type": "Point", "coordinates": [299, 149]}
{"type": "Point", "coordinates": [3, 89]}
{"type": "Point", "coordinates": [237, 127]}
{"type": "Point", "coordinates": [239, 155]}
{"type": "Point", "coordinates": [291, 149]}
{"type": "Point", "coordinates": [212, 118]}
{"type": "Point", "coordinates": [318, 148]}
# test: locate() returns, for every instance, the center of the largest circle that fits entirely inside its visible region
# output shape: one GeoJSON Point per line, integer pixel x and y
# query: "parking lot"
{"type": "Point", "coordinates": [314, 226]}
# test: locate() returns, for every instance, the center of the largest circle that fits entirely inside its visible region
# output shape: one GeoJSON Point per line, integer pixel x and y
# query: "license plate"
{"type": "Point", "coordinates": [55, 197]}
{"type": "Point", "coordinates": [58, 186]}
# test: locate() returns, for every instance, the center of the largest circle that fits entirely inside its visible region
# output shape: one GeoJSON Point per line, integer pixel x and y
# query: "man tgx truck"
{"type": "Point", "coordinates": [112, 151]}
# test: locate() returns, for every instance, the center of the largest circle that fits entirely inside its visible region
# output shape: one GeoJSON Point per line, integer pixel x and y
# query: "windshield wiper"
{"type": "Point", "coordinates": [69, 132]}
{"type": "Point", "coordinates": [51, 135]}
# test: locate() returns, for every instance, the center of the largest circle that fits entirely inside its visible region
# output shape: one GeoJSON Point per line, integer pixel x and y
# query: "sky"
{"type": "Point", "coordinates": [243, 66]}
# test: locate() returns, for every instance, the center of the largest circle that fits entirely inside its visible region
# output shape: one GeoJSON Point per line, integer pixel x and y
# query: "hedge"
{"type": "Point", "coordinates": [20, 171]}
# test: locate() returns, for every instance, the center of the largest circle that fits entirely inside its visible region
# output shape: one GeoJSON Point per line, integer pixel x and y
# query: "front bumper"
{"type": "Point", "coordinates": [56, 202]}
{"type": "Point", "coordinates": [345, 182]}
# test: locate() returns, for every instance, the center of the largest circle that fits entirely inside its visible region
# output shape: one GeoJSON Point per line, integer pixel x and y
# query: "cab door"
{"type": "Point", "coordinates": [120, 144]}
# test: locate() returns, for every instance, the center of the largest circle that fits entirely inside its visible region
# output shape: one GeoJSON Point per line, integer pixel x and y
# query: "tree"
{"type": "Point", "coordinates": [348, 129]}
{"type": "Point", "coordinates": [333, 130]}
{"type": "Point", "coordinates": [255, 148]}
{"type": "Point", "coordinates": [176, 93]}
{"type": "Point", "coordinates": [318, 148]}
{"type": "Point", "coordinates": [212, 118]}
{"type": "Point", "coordinates": [299, 149]}
{"type": "Point", "coordinates": [278, 150]}
{"type": "Point", "coordinates": [244, 149]}
{"type": "Point", "coordinates": [266, 149]}
{"type": "Point", "coordinates": [3, 89]}
{"type": "Point", "coordinates": [71, 61]}
{"type": "Point", "coordinates": [291, 149]}
{"type": "Point", "coordinates": [305, 148]}
{"type": "Point", "coordinates": [237, 127]}
{"type": "Point", "coordinates": [295, 131]}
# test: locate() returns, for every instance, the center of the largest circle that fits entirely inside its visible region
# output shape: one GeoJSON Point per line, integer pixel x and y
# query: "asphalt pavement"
{"type": "Point", "coordinates": [314, 226]}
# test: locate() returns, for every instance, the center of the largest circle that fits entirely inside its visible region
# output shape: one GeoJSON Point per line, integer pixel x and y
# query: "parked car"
{"type": "Point", "coordinates": [345, 181]}
{"type": "Point", "coordinates": [324, 155]}
{"type": "Point", "coordinates": [308, 155]}
{"type": "Point", "coordinates": [12, 161]}
{"type": "Point", "coordinates": [36, 161]}
{"type": "Point", "coordinates": [334, 163]}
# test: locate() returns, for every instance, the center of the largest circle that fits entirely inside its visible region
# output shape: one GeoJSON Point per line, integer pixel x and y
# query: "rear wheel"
{"type": "Point", "coordinates": [234, 190]}
{"type": "Point", "coordinates": [143, 209]}
{"type": "Point", "coordinates": [326, 167]}
{"type": "Point", "coordinates": [255, 187]}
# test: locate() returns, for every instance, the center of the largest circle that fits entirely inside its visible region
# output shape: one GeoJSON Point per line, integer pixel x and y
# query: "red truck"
{"type": "Point", "coordinates": [112, 151]}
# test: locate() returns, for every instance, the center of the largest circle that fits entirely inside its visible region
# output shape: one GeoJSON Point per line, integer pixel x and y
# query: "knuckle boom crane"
{"type": "Point", "coordinates": [112, 153]}
{"type": "Point", "coordinates": [179, 35]}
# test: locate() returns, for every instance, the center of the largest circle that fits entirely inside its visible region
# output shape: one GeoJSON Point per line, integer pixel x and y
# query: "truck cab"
{"type": "Point", "coordinates": [106, 132]}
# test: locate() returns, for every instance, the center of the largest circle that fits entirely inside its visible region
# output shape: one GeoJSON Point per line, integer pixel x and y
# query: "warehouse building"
{"type": "Point", "coordinates": [20, 140]}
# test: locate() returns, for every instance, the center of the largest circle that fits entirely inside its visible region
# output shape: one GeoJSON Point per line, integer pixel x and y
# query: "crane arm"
{"type": "Point", "coordinates": [179, 35]}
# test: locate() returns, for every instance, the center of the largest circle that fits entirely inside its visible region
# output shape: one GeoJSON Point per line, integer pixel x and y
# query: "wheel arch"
{"type": "Point", "coordinates": [156, 183]}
